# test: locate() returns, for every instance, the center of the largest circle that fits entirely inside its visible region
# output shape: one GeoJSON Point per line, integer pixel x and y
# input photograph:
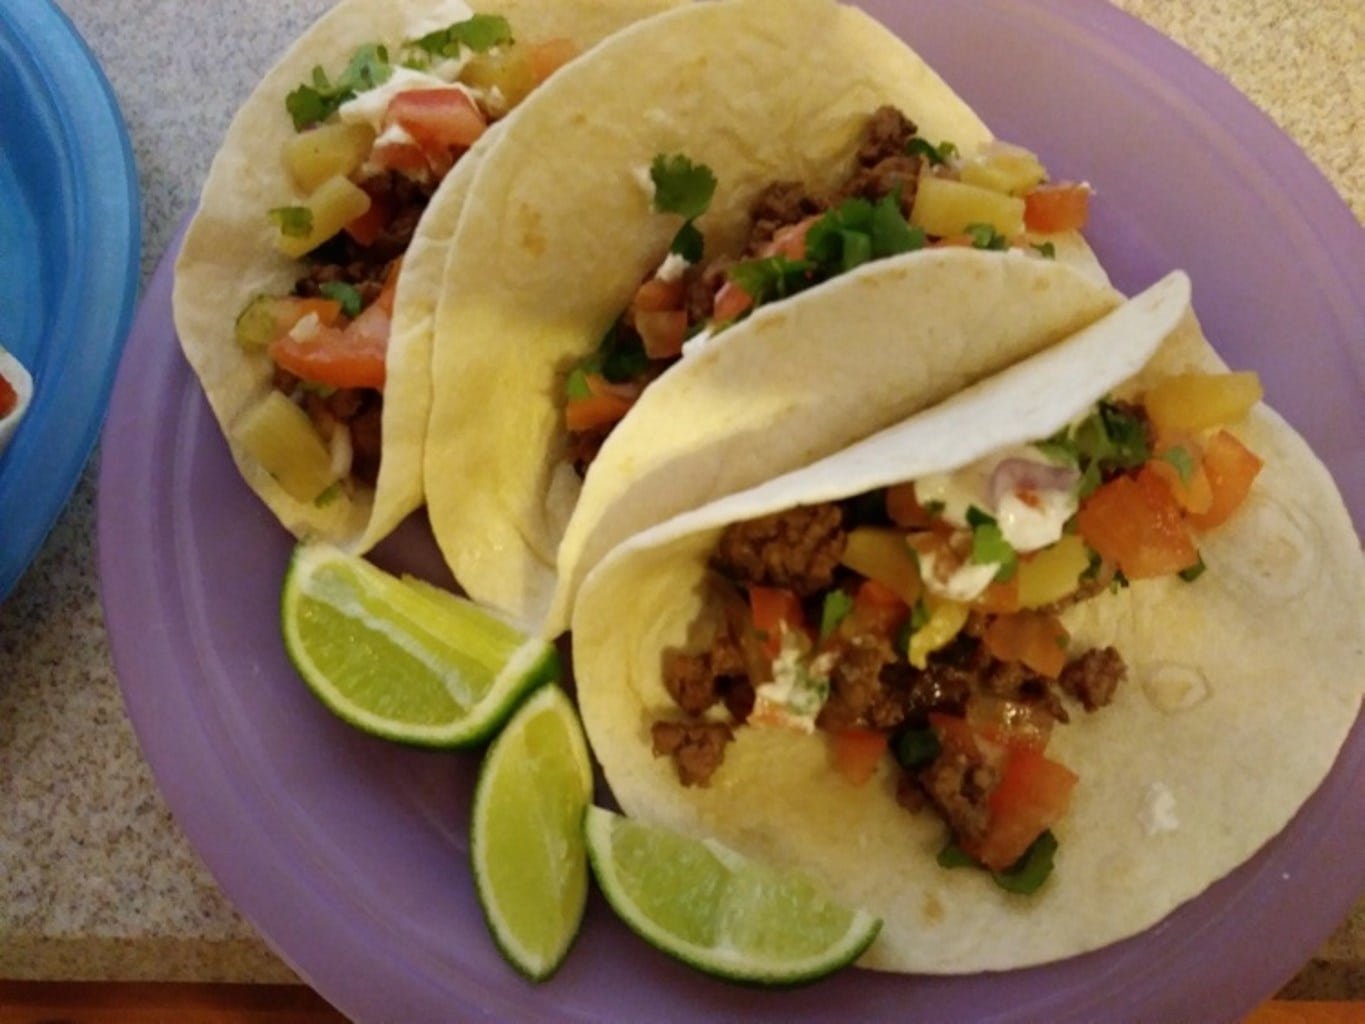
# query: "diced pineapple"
{"type": "Point", "coordinates": [945, 208]}
{"type": "Point", "coordinates": [1190, 402]}
{"type": "Point", "coordinates": [333, 205]}
{"type": "Point", "coordinates": [280, 436]}
{"type": "Point", "coordinates": [1052, 573]}
{"type": "Point", "coordinates": [509, 70]}
{"type": "Point", "coordinates": [881, 554]}
{"type": "Point", "coordinates": [320, 153]}
{"type": "Point", "coordinates": [946, 619]}
{"type": "Point", "coordinates": [1003, 168]}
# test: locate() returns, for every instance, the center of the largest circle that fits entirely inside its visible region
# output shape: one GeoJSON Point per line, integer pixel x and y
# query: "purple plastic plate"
{"type": "Point", "coordinates": [349, 854]}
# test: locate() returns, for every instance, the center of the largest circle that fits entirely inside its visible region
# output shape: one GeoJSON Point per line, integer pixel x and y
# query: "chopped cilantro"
{"type": "Point", "coordinates": [857, 231]}
{"type": "Point", "coordinates": [984, 236]}
{"type": "Point", "coordinates": [688, 243]}
{"type": "Point", "coordinates": [773, 277]}
{"type": "Point", "coordinates": [1193, 572]}
{"type": "Point", "coordinates": [344, 293]}
{"type": "Point", "coordinates": [313, 103]}
{"type": "Point", "coordinates": [916, 748]}
{"type": "Point", "coordinates": [480, 33]}
{"type": "Point", "coordinates": [1047, 250]}
{"type": "Point", "coordinates": [919, 616]}
{"type": "Point", "coordinates": [680, 186]}
{"type": "Point", "coordinates": [891, 233]}
{"type": "Point", "coordinates": [1024, 877]}
{"type": "Point", "coordinates": [936, 155]}
{"type": "Point", "coordinates": [293, 221]}
{"type": "Point", "coordinates": [934, 508]}
{"type": "Point", "coordinates": [836, 608]}
{"type": "Point", "coordinates": [621, 355]}
{"type": "Point", "coordinates": [1180, 458]}
{"type": "Point", "coordinates": [990, 547]}
{"type": "Point", "coordinates": [976, 516]}
{"type": "Point", "coordinates": [328, 496]}
{"type": "Point", "coordinates": [1119, 582]}
{"type": "Point", "coordinates": [576, 386]}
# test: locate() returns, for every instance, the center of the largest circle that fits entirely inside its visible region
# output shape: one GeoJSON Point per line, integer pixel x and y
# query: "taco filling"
{"type": "Point", "coordinates": [901, 194]}
{"type": "Point", "coordinates": [371, 148]}
{"type": "Point", "coordinates": [920, 622]}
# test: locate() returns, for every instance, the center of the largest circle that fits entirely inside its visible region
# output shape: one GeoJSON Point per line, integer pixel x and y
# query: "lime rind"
{"type": "Point", "coordinates": [718, 911]}
{"type": "Point", "coordinates": [413, 664]}
{"type": "Point", "coordinates": [527, 848]}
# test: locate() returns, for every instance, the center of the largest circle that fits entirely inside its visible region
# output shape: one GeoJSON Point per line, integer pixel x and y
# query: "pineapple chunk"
{"type": "Point", "coordinates": [1190, 402]}
{"type": "Point", "coordinates": [1052, 573]}
{"type": "Point", "coordinates": [944, 208]}
{"type": "Point", "coordinates": [881, 554]}
{"type": "Point", "coordinates": [320, 153]}
{"type": "Point", "coordinates": [946, 619]}
{"type": "Point", "coordinates": [280, 436]}
{"type": "Point", "coordinates": [509, 70]}
{"type": "Point", "coordinates": [1003, 168]}
{"type": "Point", "coordinates": [334, 204]}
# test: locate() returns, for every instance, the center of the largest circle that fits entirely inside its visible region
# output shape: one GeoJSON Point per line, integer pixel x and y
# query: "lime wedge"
{"type": "Point", "coordinates": [719, 911]}
{"type": "Point", "coordinates": [526, 841]}
{"type": "Point", "coordinates": [401, 658]}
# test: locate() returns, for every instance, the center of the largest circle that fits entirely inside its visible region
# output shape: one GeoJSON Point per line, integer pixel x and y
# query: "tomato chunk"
{"type": "Point", "coordinates": [1033, 794]}
{"type": "Point", "coordinates": [775, 610]}
{"type": "Point", "coordinates": [662, 332]}
{"type": "Point", "coordinates": [437, 118]}
{"type": "Point", "coordinates": [1050, 208]}
{"type": "Point", "coordinates": [9, 398]}
{"type": "Point", "coordinates": [879, 608]}
{"type": "Point", "coordinates": [549, 56]}
{"type": "Point", "coordinates": [337, 357]}
{"type": "Point", "coordinates": [731, 302]}
{"type": "Point", "coordinates": [604, 404]}
{"type": "Point", "coordinates": [657, 295]}
{"type": "Point", "coordinates": [857, 752]}
{"type": "Point", "coordinates": [1231, 469]}
{"type": "Point", "coordinates": [1135, 523]}
{"type": "Point", "coordinates": [1034, 639]}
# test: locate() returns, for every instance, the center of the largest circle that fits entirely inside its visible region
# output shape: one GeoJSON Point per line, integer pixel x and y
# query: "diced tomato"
{"type": "Point", "coordinates": [1035, 639]}
{"type": "Point", "coordinates": [774, 611]}
{"type": "Point", "coordinates": [404, 157]}
{"type": "Point", "coordinates": [999, 598]}
{"type": "Point", "coordinates": [549, 56]}
{"type": "Point", "coordinates": [347, 357]}
{"type": "Point", "coordinates": [1050, 208]}
{"type": "Point", "coordinates": [367, 227]}
{"type": "Point", "coordinates": [9, 398]}
{"type": "Point", "coordinates": [663, 332]}
{"type": "Point", "coordinates": [1033, 794]}
{"type": "Point", "coordinates": [879, 608]}
{"type": "Point", "coordinates": [903, 508]}
{"type": "Point", "coordinates": [789, 240]}
{"type": "Point", "coordinates": [1018, 725]}
{"type": "Point", "coordinates": [857, 752]}
{"type": "Point", "coordinates": [731, 302]}
{"type": "Point", "coordinates": [1190, 485]}
{"type": "Point", "coordinates": [1231, 468]}
{"type": "Point", "coordinates": [437, 118]}
{"type": "Point", "coordinates": [657, 295]}
{"type": "Point", "coordinates": [1135, 523]}
{"type": "Point", "coordinates": [604, 404]}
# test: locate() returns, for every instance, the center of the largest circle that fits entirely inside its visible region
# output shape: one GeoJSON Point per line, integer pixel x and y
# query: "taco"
{"type": "Point", "coordinates": [1056, 629]}
{"type": "Point", "coordinates": [348, 162]}
{"type": "Point", "coordinates": [693, 178]}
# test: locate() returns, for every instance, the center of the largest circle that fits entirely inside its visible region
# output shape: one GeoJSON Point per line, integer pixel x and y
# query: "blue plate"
{"type": "Point", "coordinates": [69, 249]}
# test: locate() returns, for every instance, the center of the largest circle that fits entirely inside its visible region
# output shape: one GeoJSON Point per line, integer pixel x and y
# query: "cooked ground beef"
{"type": "Point", "coordinates": [1094, 676]}
{"type": "Point", "coordinates": [797, 549]}
{"type": "Point", "coordinates": [697, 748]}
{"type": "Point", "coordinates": [887, 133]}
{"type": "Point", "coordinates": [779, 204]}
{"type": "Point", "coordinates": [863, 692]}
{"type": "Point", "coordinates": [959, 784]}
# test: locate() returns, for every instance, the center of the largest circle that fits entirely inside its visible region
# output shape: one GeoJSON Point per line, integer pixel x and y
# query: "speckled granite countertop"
{"type": "Point", "coordinates": [96, 881]}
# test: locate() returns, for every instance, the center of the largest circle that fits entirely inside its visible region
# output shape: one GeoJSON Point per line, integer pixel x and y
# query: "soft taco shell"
{"type": "Point", "coordinates": [1261, 659]}
{"type": "Point", "coordinates": [228, 256]}
{"type": "Point", "coordinates": [556, 237]}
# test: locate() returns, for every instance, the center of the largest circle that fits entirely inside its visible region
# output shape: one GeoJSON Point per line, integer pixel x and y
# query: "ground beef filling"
{"type": "Point", "coordinates": [342, 260]}
{"type": "Point", "coordinates": [881, 167]}
{"type": "Point", "coordinates": [712, 681]}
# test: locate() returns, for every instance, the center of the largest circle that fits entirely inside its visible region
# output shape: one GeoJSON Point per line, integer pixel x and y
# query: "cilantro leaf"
{"type": "Point", "coordinates": [1182, 460]}
{"type": "Point", "coordinates": [1030, 871]}
{"type": "Point", "coordinates": [891, 233]}
{"type": "Point", "coordinates": [936, 155]}
{"type": "Point", "coordinates": [1047, 250]}
{"type": "Point", "coordinates": [621, 355]}
{"type": "Point", "coordinates": [308, 105]}
{"type": "Point", "coordinates": [989, 546]}
{"type": "Point", "coordinates": [688, 243]}
{"type": "Point", "coordinates": [984, 236]}
{"type": "Point", "coordinates": [835, 609]}
{"type": "Point", "coordinates": [293, 221]}
{"type": "Point", "coordinates": [480, 33]}
{"type": "Point", "coordinates": [773, 277]}
{"type": "Point", "coordinates": [953, 856]}
{"type": "Point", "coordinates": [1193, 572]}
{"type": "Point", "coordinates": [344, 293]}
{"type": "Point", "coordinates": [916, 748]}
{"type": "Point", "coordinates": [680, 186]}
{"type": "Point", "coordinates": [576, 384]}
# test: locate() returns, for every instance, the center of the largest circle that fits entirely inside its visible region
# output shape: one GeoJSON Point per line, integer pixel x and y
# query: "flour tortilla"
{"type": "Point", "coordinates": [556, 237]}
{"type": "Point", "coordinates": [228, 256]}
{"type": "Point", "coordinates": [1242, 685]}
